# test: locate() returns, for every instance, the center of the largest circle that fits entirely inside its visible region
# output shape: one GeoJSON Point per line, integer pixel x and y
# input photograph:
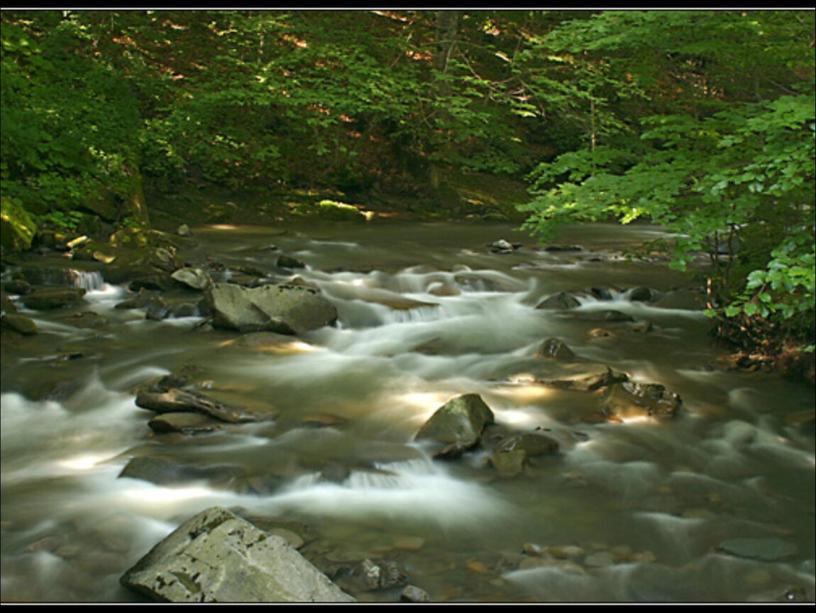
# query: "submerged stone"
{"type": "Point", "coordinates": [185, 423]}
{"type": "Point", "coordinates": [765, 549]}
{"type": "Point", "coordinates": [218, 557]}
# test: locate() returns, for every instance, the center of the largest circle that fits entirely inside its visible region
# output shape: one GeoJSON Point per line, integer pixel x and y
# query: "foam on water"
{"type": "Point", "coordinates": [417, 490]}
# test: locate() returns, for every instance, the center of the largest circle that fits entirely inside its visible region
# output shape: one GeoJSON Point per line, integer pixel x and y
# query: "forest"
{"type": "Point", "coordinates": [317, 227]}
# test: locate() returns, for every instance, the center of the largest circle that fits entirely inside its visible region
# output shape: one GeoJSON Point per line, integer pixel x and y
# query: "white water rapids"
{"type": "Point", "coordinates": [668, 493]}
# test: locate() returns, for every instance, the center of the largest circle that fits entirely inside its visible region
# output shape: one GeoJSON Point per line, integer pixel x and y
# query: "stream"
{"type": "Point", "coordinates": [635, 511]}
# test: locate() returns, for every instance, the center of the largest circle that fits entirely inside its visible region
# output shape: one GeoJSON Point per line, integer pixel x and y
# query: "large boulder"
{"type": "Point", "coordinates": [287, 309]}
{"type": "Point", "coordinates": [53, 298]}
{"type": "Point", "coordinates": [18, 323]}
{"type": "Point", "coordinates": [630, 399]}
{"type": "Point", "coordinates": [457, 425]}
{"type": "Point", "coordinates": [218, 557]}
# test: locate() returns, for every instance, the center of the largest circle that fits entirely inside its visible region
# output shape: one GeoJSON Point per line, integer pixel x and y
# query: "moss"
{"type": "Point", "coordinates": [17, 228]}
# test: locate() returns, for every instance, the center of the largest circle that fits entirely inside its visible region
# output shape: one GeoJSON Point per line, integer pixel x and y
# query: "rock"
{"type": "Point", "coordinates": [583, 377]}
{"type": "Point", "coordinates": [601, 293]}
{"type": "Point", "coordinates": [6, 304]}
{"type": "Point", "coordinates": [181, 401]}
{"type": "Point", "coordinates": [185, 309]}
{"type": "Point", "coordinates": [157, 310]}
{"type": "Point", "coordinates": [642, 294]}
{"type": "Point", "coordinates": [290, 537]}
{"type": "Point", "coordinates": [642, 327]}
{"type": "Point", "coordinates": [218, 557]}
{"type": "Point", "coordinates": [287, 309]}
{"type": "Point", "coordinates": [511, 453]}
{"type": "Point", "coordinates": [141, 300]}
{"type": "Point", "coordinates": [150, 281]}
{"type": "Point", "coordinates": [630, 399]}
{"type": "Point", "coordinates": [443, 289]}
{"type": "Point", "coordinates": [554, 349]}
{"type": "Point", "coordinates": [765, 549]}
{"type": "Point", "coordinates": [165, 471]}
{"type": "Point", "coordinates": [601, 333]}
{"type": "Point", "coordinates": [565, 552]}
{"type": "Point", "coordinates": [600, 559]}
{"type": "Point", "coordinates": [287, 261]}
{"type": "Point", "coordinates": [531, 443]}
{"type": "Point", "coordinates": [370, 576]}
{"type": "Point", "coordinates": [457, 425]}
{"type": "Point", "coordinates": [531, 549]}
{"type": "Point", "coordinates": [681, 299]}
{"type": "Point", "coordinates": [334, 472]}
{"type": "Point", "coordinates": [100, 256]}
{"type": "Point", "coordinates": [17, 286]}
{"type": "Point", "coordinates": [53, 298]}
{"type": "Point", "coordinates": [561, 300]}
{"type": "Point", "coordinates": [557, 248]}
{"type": "Point", "coordinates": [412, 593]}
{"type": "Point", "coordinates": [18, 323]}
{"type": "Point", "coordinates": [508, 463]}
{"type": "Point", "coordinates": [502, 246]}
{"type": "Point", "coordinates": [43, 274]}
{"type": "Point", "coordinates": [605, 315]}
{"type": "Point", "coordinates": [183, 230]}
{"type": "Point", "coordinates": [194, 278]}
{"type": "Point", "coordinates": [185, 423]}
{"type": "Point", "coordinates": [323, 420]}
{"type": "Point", "coordinates": [409, 543]}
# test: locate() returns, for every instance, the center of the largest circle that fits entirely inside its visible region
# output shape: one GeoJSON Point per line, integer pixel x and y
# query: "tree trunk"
{"type": "Point", "coordinates": [447, 27]}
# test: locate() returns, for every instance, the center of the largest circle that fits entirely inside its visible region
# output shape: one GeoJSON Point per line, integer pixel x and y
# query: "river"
{"type": "Point", "coordinates": [630, 511]}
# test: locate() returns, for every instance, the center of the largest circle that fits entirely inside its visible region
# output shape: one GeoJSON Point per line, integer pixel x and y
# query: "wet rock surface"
{"type": "Point", "coordinates": [457, 425]}
{"type": "Point", "coordinates": [555, 349]}
{"type": "Point", "coordinates": [766, 549]}
{"type": "Point", "coordinates": [631, 399]}
{"type": "Point", "coordinates": [561, 300]}
{"type": "Point", "coordinates": [218, 557]}
{"type": "Point", "coordinates": [287, 309]}
{"type": "Point", "coordinates": [176, 400]}
{"type": "Point", "coordinates": [52, 298]}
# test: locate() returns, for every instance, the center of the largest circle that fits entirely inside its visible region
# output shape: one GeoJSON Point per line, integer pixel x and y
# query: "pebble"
{"type": "Point", "coordinates": [644, 557]}
{"type": "Point", "coordinates": [564, 552]}
{"type": "Point", "coordinates": [600, 559]}
{"type": "Point", "coordinates": [531, 549]}
{"type": "Point", "coordinates": [410, 543]}
{"type": "Point", "coordinates": [412, 593]}
{"type": "Point", "coordinates": [477, 567]}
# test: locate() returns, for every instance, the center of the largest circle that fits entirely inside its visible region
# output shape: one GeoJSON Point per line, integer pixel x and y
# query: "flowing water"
{"type": "Point", "coordinates": [648, 503]}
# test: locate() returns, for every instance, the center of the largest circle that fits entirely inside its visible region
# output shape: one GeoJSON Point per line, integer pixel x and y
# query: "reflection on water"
{"type": "Point", "coordinates": [426, 314]}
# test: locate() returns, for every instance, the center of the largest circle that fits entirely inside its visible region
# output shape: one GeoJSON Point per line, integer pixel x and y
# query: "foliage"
{"type": "Point", "coordinates": [726, 164]}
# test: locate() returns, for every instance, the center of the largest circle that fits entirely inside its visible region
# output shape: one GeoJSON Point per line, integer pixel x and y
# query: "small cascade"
{"type": "Point", "coordinates": [89, 280]}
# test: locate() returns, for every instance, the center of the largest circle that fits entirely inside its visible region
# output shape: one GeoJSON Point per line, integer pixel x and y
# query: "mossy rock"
{"type": "Point", "coordinates": [17, 228]}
